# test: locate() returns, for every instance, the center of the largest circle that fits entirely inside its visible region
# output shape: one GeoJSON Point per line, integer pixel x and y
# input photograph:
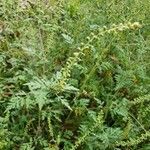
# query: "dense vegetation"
{"type": "Point", "coordinates": [75, 75]}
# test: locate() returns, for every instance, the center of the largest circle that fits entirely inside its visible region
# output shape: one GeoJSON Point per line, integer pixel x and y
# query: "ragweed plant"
{"type": "Point", "coordinates": [72, 76]}
{"type": "Point", "coordinates": [97, 124]}
{"type": "Point", "coordinates": [63, 75]}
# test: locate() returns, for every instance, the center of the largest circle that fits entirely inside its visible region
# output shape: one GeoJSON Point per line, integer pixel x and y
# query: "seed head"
{"type": "Point", "coordinates": [136, 25]}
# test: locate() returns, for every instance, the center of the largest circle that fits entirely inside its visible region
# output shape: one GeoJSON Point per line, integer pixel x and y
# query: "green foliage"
{"type": "Point", "coordinates": [74, 75]}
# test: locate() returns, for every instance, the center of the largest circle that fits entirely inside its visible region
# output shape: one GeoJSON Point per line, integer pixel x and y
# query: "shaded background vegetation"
{"type": "Point", "coordinates": [99, 102]}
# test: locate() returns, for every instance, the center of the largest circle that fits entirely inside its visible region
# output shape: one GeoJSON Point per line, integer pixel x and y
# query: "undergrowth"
{"type": "Point", "coordinates": [74, 75]}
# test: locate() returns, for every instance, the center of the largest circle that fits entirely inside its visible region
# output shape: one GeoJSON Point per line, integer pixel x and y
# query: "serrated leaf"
{"type": "Point", "coordinates": [64, 102]}
{"type": "Point", "coordinates": [71, 88]}
{"type": "Point", "coordinates": [67, 38]}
